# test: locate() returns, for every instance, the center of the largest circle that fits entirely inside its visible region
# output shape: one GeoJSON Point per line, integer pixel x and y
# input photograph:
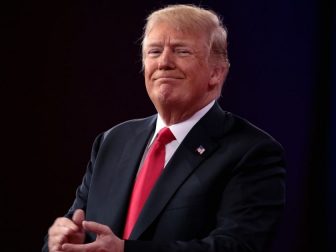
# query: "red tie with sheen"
{"type": "Point", "coordinates": [147, 176]}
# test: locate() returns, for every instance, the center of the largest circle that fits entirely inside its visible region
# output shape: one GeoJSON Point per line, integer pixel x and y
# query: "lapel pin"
{"type": "Point", "coordinates": [200, 150]}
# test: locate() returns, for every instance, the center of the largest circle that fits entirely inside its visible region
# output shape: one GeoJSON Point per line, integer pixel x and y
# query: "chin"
{"type": "Point", "coordinates": [165, 93]}
{"type": "Point", "coordinates": [164, 100]}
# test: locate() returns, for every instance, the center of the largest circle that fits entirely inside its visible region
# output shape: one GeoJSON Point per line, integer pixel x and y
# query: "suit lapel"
{"type": "Point", "coordinates": [121, 183]}
{"type": "Point", "coordinates": [198, 145]}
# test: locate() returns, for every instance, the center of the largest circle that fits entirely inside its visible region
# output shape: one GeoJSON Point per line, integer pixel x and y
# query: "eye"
{"type": "Point", "coordinates": [183, 51]}
{"type": "Point", "coordinates": [154, 52]}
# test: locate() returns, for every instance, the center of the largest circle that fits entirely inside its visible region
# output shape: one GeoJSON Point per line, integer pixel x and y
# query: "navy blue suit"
{"type": "Point", "coordinates": [229, 198]}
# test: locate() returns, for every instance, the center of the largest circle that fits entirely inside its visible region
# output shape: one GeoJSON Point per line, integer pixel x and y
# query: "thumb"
{"type": "Point", "coordinates": [96, 228]}
{"type": "Point", "coordinates": [78, 217]}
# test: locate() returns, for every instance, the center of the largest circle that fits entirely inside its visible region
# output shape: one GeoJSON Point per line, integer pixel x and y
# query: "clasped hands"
{"type": "Point", "coordinates": [67, 235]}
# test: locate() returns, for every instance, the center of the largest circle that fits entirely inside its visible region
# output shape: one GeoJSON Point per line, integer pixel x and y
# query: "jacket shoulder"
{"type": "Point", "coordinates": [240, 129]}
{"type": "Point", "coordinates": [130, 126]}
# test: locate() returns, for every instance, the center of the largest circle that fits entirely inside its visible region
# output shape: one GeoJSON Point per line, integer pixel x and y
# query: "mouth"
{"type": "Point", "coordinates": [167, 78]}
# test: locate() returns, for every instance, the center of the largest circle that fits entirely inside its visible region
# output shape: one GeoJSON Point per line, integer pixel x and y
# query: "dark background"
{"type": "Point", "coordinates": [72, 69]}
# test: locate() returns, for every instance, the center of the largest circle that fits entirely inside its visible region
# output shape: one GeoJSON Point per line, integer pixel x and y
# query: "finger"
{"type": "Point", "coordinates": [55, 243]}
{"type": "Point", "coordinates": [55, 248]}
{"type": "Point", "coordinates": [56, 239]}
{"type": "Point", "coordinates": [67, 247]}
{"type": "Point", "coordinates": [64, 222]}
{"type": "Point", "coordinates": [70, 247]}
{"type": "Point", "coordinates": [57, 230]}
{"type": "Point", "coordinates": [97, 228]}
{"type": "Point", "coordinates": [78, 217]}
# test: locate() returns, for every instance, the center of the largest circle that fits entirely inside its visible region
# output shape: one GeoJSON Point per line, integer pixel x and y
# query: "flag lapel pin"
{"type": "Point", "coordinates": [200, 150]}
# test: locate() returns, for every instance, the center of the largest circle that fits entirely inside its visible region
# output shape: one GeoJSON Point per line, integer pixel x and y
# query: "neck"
{"type": "Point", "coordinates": [173, 116]}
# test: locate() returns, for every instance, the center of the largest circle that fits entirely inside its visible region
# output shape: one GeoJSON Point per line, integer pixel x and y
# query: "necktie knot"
{"type": "Point", "coordinates": [165, 136]}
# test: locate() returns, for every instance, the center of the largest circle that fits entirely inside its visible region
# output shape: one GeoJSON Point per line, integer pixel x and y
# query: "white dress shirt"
{"type": "Point", "coordinates": [180, 130]}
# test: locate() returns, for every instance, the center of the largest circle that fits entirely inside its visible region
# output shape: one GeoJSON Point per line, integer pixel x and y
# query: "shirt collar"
{"type": "Point", "coordinates": [180, 130]}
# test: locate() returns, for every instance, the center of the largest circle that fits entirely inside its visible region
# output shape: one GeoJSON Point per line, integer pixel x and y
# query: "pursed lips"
{"type": "Point", "coordinates": [167, 77]}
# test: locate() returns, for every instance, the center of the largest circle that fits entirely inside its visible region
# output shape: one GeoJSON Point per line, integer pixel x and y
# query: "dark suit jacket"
{"type": "Point", "coordinates": [227, 199]}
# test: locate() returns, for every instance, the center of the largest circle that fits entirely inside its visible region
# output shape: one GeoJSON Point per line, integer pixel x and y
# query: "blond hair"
{"type": "Point", "coordinates": [195, 19]}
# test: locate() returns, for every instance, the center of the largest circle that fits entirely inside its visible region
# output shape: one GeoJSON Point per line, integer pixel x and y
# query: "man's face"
{"type": "Point", "coordinates": [177, 70]}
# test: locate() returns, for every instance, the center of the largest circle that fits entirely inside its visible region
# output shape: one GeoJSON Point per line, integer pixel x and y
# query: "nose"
{"type": "Point", "coordinates": [166, 60]}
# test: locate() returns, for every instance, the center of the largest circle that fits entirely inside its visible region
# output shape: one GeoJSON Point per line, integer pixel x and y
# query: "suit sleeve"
{"type": "Point", "coordinates": [83, 190]}
{"type": "Point", "coordinates": [251, 205]}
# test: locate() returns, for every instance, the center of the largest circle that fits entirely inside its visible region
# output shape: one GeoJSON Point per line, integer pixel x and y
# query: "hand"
{"type": "Point", "coordinates": [106, 240]}
{"type": "Point", "coordinates": [65, 230]}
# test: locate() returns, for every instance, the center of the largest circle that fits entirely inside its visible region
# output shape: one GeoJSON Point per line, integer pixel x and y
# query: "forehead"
{"type": "Point", "coordinates": [163, 33]}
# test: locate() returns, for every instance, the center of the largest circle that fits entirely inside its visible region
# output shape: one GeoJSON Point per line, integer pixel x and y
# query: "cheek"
{"type": "Point", "coordinates": [147, 76]}
{"type": "Point", "coordinates": [148, 72]}
{"type": "Point", "coordinates": [149, 67]}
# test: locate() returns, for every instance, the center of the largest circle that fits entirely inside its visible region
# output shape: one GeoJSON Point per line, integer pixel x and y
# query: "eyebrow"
{"type": "Point", "coordinates": [173, 44]}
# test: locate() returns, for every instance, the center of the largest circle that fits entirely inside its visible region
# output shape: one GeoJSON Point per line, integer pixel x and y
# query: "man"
{"type": "Point", "coordinates": [221, 184]}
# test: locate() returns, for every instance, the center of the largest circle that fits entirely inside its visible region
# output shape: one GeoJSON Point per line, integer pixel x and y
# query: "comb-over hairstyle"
{"type": "Point", "coordinates": [191, 18]}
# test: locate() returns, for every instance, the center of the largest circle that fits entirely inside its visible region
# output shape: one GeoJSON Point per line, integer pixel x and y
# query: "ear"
{"type": "Point", "coordinates": [218, 75]}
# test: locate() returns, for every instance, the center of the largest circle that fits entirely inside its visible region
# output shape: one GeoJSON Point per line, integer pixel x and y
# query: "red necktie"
{"type": "Point", "coordinates": [148, 174]}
